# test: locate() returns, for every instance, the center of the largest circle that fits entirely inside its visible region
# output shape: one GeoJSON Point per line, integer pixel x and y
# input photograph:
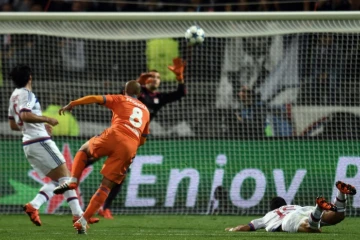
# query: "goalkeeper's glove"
{"type": "Point", "coordinates": [178, 68]}
{"type": "Point", "coordinates": [145, 78]}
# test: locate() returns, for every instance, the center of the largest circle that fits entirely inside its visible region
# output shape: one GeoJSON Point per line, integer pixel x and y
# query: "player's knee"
{"type": "Point", "coordinates": [108, 183]}
{"type": "Point", "coordinates": [340, 217]}
{"type": "Point", "coordinates": [332, 218]}
{"type": "Point", "coordinates": [59, 172]}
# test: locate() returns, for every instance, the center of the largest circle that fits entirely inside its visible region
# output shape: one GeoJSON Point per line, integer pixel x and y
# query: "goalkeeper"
{"type": "Point", "coordinates": [154, 101]}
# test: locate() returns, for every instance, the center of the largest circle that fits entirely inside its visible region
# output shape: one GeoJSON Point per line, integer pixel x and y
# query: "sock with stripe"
{"type": "Point", "coordinates": [340, 201]}
{"type": "Point", "coordinates": [96, 201]}
{"type": "Point", "coordinates": [112, 195]}
{"type": "Point", "coordinates": [314, 217]}
{"type": "Point", "coordinates": [79, 164]}
{"type": "Point", "coordinates": [72, 199]}
{"type": "Point", "coordinates": [45, 193]}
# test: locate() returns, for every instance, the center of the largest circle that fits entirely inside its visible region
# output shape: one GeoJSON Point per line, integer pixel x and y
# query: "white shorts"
{"type": "Point", "coordinates": [292, 221]}
{"type": "Point", "coordinates": [43, 156]}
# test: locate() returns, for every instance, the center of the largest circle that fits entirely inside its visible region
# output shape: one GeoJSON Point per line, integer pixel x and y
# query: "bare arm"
{"type": "Point", "coordinates": [13, 125]}
{"type": "Point", "coordinates": [240, 228]}
{"type": "Point", "coordinates": [29, 117]}
{"type": "Point", "coordinates": [252, 226]}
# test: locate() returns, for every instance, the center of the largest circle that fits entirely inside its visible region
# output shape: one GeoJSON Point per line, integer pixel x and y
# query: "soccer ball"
{"type": "Point", "coordinates": [195, 35]}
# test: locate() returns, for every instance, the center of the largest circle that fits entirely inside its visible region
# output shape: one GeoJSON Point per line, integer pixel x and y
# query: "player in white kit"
{"type": "Point", "coordinates": [41, 152]}
{"type": "Point", "coordinates": [295, 218]}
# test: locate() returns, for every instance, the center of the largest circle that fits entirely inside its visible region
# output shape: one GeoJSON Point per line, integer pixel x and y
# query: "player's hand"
{"type": "Point", "coordinates": [178, 68]}
{"type": "Point", "coordinates": [48, 129]}
{"type": "Point", "coordinates": [52, 121]}
{"type": "Point", "coordinates": [65, 108]}
{"type": "Point", "coordinates": [145, 78]}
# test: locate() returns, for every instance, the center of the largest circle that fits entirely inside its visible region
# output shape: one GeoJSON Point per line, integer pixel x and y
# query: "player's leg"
{"type": "Point", "coordinates": [61, 175]}
{"type": "Point", "coordinates": [331, 218]}
{"type": "Point", "coordinates": [31, 208]}
{"type": "Point", "coordinates": [114, 172]}
{"type": "Point", "coordinates": [315, 216]}
{"type": "Point", "coordinates": [81, 161]}
{"type": "Point", "coordinates": [96, 202]}
{"type": "Point", "coordinates": [43, 161]}
{"type": "Point", "coordinates": [93, 149]}
{"type": "Point", "coordinates": [105, 209]}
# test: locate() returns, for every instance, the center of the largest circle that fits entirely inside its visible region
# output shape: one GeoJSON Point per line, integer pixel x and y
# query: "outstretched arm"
{"type": "Point", "coordinates": [169, 97]}
{"type": "Point", "coordinates": [99, 99]}
{"type": "Point", "coordinates": [252, 226]}
{"type": "Point", "coordinates": [240, 228]}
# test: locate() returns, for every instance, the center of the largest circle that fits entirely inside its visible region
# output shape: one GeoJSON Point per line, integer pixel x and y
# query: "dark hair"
{"type": "Point", "coordinates": [153, 70]}
{"type": "Point", "coordinates": [20, 75]}
{"type": "Point", "coordinates": [277, 202]}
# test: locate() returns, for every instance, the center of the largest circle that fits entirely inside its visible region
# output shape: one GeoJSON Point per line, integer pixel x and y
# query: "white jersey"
{"type": "Point", "coordinates": [24, 100]}
{"type": "Point", "coordinates": [293, 220]}
{"type": "Point", "coordinates": [273, 220]}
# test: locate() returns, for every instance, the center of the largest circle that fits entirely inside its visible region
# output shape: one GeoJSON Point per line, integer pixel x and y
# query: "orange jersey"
{"type": "Point", "coordinates": [130, 116]}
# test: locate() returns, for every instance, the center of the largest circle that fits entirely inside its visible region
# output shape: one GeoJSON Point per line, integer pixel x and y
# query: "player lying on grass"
{"type": "Point", "coordinates": [128, 131]}
{"type": "Point", "coordinates": [42, 153]}
{"type": "Point", "coordinates": [294, 218]}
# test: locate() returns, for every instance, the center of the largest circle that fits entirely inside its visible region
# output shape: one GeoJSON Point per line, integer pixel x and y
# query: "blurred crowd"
{"type": "Point", "coordinates": [177, 6]}
{"type": "Point", "coordinates": [324, 67]}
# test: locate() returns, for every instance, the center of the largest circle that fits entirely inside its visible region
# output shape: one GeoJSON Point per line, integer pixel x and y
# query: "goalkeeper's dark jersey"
{"type": "Point", "coordinates": [154, 101]}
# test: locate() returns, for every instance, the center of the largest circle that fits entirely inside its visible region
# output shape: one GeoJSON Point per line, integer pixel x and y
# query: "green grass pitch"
{"type": "Point", "coordinates": [159, 227]}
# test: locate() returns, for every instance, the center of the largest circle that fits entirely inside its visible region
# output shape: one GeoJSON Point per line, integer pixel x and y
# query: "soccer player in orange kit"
{"type": "Point", "coordinates": [128, 130]}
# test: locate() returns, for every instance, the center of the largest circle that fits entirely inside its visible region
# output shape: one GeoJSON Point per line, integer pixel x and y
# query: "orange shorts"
{"type": "Point", "coordinates": [120, 150]}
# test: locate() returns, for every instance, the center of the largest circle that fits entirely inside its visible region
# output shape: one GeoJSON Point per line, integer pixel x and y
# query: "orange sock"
{"type": "Point", "coordinates": [96, 201]}
{"type": "Point", "coordinates": [79, 164]}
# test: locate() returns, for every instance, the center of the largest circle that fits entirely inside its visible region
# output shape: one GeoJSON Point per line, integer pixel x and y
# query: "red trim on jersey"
{"type": "Point", "coordinates": [11, 117]}
{"type": "Point", "coordinates": [252, 227]}
{"type": "Point", "coordinates": [25, 110]}
{"type": "Point", "coordinates": [36, 140]}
